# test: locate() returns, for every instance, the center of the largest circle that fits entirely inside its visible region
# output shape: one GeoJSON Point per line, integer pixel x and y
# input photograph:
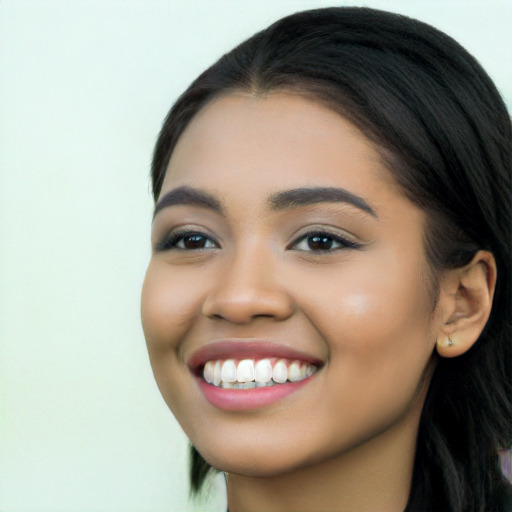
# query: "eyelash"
{"type": "Point", "coordinates": [173, 240]}
{"type": "Point", "coordinates": [343, 243]}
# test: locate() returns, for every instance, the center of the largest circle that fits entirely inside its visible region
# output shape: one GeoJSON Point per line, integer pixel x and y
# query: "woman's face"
{"type": "Point", "coordinates": [281, 240]}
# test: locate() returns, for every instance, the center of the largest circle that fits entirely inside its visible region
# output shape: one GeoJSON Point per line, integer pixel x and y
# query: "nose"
{"type": "Point", "coordinates": [247, 288]}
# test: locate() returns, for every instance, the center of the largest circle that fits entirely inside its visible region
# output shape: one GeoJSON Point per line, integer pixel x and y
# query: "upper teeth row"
{"type": "Point", "coordinates": [263, 371]}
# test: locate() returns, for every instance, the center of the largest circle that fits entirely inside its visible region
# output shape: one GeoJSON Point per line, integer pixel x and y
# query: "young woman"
{"type": "Point", "coordinates": [327, 306]}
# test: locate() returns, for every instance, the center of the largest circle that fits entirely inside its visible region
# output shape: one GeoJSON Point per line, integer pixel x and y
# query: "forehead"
{"type": "Point", "coordinates": [272, 142]}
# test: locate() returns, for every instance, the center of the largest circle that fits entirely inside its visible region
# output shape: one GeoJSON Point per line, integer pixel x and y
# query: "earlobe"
{"type": "Point", "coordinates": [468, 306]}
{"type": "Point", "coordinates": [450, 346]}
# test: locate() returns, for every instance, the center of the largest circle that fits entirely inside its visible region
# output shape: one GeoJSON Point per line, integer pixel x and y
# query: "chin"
{"type": "Point", "coordinates": [259, 467]}
{"type": "Point", "coordinates": [262, 460]}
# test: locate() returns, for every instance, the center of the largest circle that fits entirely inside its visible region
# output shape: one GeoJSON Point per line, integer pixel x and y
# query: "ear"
{"type": "Point", "coordinates": [466, 296]}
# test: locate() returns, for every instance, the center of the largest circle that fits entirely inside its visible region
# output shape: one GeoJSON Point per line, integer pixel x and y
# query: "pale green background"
{"type": "Point", "coordinates": [84, 88]}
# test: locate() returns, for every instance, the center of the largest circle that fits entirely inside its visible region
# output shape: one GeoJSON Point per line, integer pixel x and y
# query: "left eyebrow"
{"type": "Point", "coordinates": [306, 196]}
{"type": "Point", "coordinates": [188, 196]}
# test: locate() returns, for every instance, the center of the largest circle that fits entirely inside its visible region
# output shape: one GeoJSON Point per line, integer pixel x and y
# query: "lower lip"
{"type": "Point", "coordinates": [248, 399]}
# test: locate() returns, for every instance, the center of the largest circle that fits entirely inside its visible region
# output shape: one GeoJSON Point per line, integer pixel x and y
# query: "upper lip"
{"type": "Point", "coordinates": [249, 349]}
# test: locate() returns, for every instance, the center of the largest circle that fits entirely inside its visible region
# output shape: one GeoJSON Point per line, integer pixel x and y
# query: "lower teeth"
{"type": "Point", "coordinates": [246, 385]}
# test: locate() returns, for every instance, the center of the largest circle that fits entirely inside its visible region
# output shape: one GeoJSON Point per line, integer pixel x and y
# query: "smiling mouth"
{"type": "Point", "coordinates": [244, 375]}
{"type": "Point", "coordinates": [255, 373]}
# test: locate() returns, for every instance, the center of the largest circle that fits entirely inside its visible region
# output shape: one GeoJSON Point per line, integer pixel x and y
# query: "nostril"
{"type": "Point", "coordinates": [241, 298]}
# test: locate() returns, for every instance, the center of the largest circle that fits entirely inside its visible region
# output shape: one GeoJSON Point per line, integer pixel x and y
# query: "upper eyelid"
{"type": "Point", "coordinates": [182, 229]}
{"type": "Point", "coordinates": [345, 242]}
{"type": "Point", "coordinates": [181, 232]}
{"type": "Point", "coordinates": [335, 232]}
{"type": "Point", "coordinates": [335, 236]}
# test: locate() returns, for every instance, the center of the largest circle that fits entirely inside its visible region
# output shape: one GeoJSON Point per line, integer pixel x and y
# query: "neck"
{"type": "Point", "coordinates": [375, 475]}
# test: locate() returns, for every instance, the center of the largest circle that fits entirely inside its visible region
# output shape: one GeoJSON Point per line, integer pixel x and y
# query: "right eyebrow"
{"type": "Point", "coordinates": [188, 196]}
{"type": "Point", "coordinates": [304, 196]}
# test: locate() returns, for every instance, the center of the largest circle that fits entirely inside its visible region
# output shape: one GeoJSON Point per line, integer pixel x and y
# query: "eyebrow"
{"type": "Point", "coordinates": [188, 196]}
{"type": "Point", "coordinates": [306, 196]}
{"type": "Point", "coordinates": [285, 200]}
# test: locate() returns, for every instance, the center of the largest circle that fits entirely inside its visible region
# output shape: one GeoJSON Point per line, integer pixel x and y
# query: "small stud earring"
{"type": "Point", "coordinates": [445, 341]}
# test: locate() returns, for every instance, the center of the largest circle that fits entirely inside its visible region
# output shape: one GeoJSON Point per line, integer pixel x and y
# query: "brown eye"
{"type": "Point", "coordinates": [195, 241]}
{"type": "Point", "coordinates": [323, 242]}
{"type": "Point", "coordinates": [320, 242]}
{"type": "Point", "coordinates": [188, 241]}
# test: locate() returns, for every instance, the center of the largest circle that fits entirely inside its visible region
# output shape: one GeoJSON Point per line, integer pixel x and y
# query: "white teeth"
{"type": "Point", "coordinates": [228, 373]}
{"type": "Point", "coordinates": [244, 385]}
{"type": "Point", "coordinates": [296, 371]}
{"type": "Point", "coordinates": [310, 369]}
{"type": "Point", "coordinates": [280, 372]}
{"type": "Point", "coordinates": [208, 371]}
{"type": "Point", "coordinates": [245, 371]}
{"type": "Point", "coordinates": [248, 374]}
{"type": "Point", "coordinates": [217, 373]}
{"type": "Point", "coordinates": [263, 371]}
{"type": "Point", "coordinates": [268, 384]}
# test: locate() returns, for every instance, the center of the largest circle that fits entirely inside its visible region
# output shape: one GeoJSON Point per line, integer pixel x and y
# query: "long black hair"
{"type": "Point", "coordinates": [443, 131]}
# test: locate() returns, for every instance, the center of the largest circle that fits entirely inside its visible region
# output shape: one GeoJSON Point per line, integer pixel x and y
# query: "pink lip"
{"type": "Point", "coordinates": [247, 399]}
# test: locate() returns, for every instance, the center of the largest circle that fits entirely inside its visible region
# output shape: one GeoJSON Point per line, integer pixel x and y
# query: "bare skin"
{"type": "Point", "coordinates": [343, 280]}
{"type": "Point", "coordinates": [374, 476]}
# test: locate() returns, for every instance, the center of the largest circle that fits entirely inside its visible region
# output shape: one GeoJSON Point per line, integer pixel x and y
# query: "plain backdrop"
{"type": "Point", "coordinates": [84, 88]}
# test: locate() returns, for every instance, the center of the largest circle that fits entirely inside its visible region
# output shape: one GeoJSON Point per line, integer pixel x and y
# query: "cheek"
{"type": "Point", "coordinates": [376, 331]}
{"type": "Point", "coordinates": [375, 323]}
{"type": "Point", "coordinates": [369, 309]}
{"type": "Point", "coordinates": [168, 306]}
{"type": "Point", "coordinates": [382, 295]}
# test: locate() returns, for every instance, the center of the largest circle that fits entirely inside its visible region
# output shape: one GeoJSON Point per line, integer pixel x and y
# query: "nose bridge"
{"type": "Point", "coordinates": [248, 287]}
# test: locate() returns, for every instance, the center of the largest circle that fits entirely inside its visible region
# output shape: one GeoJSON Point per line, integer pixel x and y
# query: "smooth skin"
{"type": "Point", "coordinates": [332, 279]}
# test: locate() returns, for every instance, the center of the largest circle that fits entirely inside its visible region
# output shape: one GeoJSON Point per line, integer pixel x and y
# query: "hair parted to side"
{"type": "Point", "coordinates": [444, 133]}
